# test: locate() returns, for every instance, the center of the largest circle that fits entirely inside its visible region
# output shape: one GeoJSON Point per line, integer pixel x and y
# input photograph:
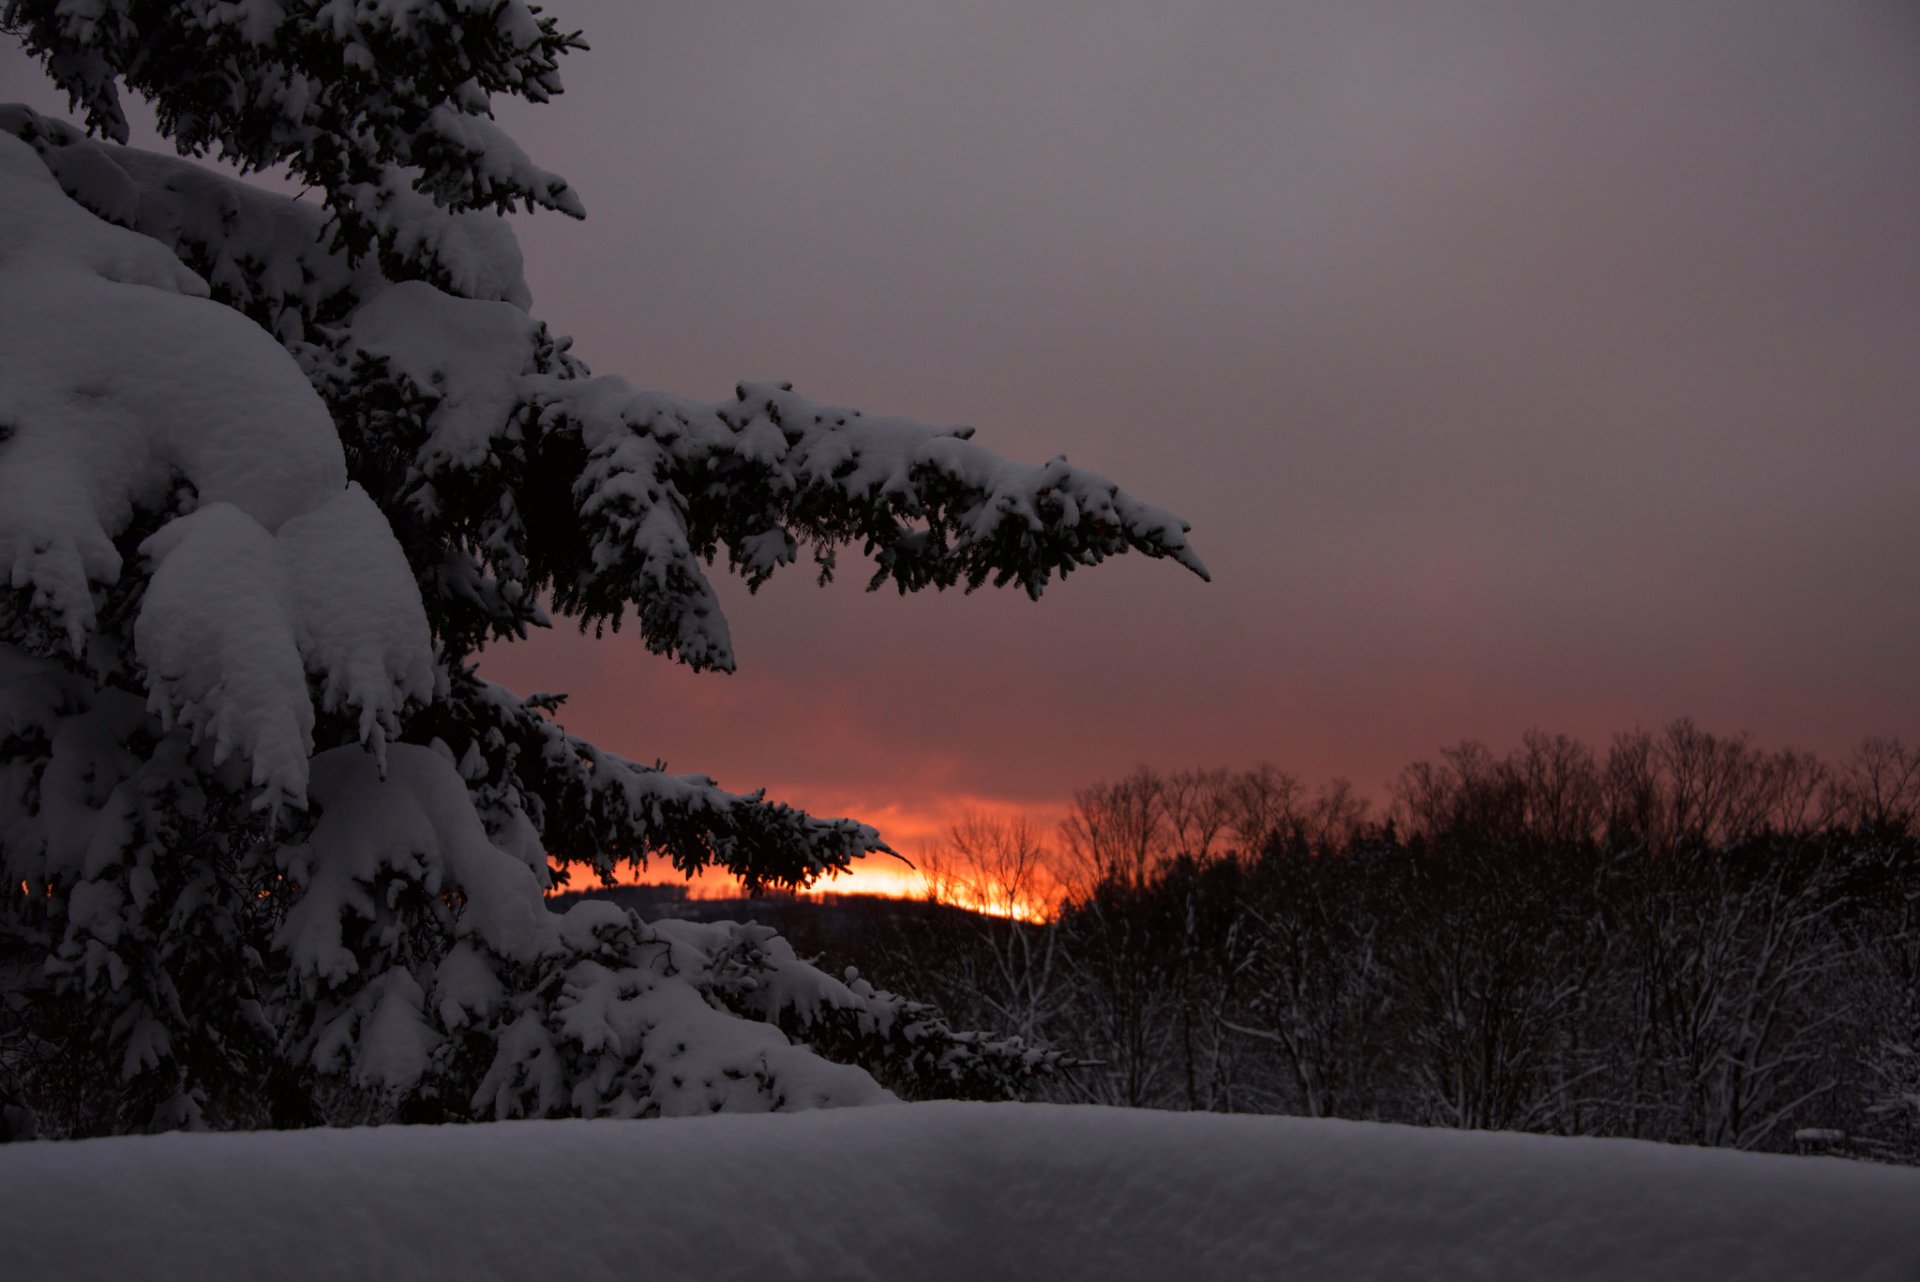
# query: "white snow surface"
{"type": "Point", "coordinates": [944, 1191]}
{"type": "Point", "coordinates": [121, 383]}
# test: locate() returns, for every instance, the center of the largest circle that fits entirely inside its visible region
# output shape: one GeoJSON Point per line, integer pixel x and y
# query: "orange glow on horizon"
{"type": "Point", "coordinates": [912, 828]}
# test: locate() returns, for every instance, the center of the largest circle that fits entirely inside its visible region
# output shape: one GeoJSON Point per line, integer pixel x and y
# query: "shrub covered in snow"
{"type": "Point", "coordinates": [271, 472]}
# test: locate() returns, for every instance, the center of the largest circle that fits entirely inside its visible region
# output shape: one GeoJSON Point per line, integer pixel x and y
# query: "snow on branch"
{"type": "Point", "coordinates": [265, 255]}
{"type": "Point", "coordinates": [272, 471]}
{"type": "Point", "coordinates": [338, 92]}
{"type": "Point", "coordinates": [597, 809]}
{"type": "Point", "coordinates": [606, 497]}
{"type": "Point", "coordinates": [614, 499]}
{"type": "Point", "coordinates": [141, 421]}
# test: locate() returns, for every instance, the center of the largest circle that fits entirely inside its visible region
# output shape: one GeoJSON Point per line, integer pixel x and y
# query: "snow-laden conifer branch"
{"type": "Point", "coordinates": [579, 804]}
{"type": "Point", "coordinates": [614, 499]}
{"type": "Point", "coordinates": [271, 472]}
{"type": "Point", "coordinates": [339, 92]}
{"type": "Point", "coordinates": [606, 497]}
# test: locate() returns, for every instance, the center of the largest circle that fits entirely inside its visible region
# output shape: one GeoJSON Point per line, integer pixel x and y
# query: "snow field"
{"type": "Point", "coordinates": [943, 1191]}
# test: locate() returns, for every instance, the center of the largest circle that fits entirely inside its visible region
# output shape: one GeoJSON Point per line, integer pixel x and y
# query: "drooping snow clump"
{"type": "Point", "coordinates": [271, 473]}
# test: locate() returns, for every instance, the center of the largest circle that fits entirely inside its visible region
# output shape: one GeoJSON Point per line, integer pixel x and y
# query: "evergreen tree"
{"type": "Point", "coordinates": [272, 472]}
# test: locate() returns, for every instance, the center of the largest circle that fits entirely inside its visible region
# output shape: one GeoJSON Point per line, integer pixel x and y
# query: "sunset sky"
{"type": "Point", "coordinates": [1523, 364]}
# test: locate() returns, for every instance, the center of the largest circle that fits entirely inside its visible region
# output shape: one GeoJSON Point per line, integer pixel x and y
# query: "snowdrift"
{"type": "Point", "coordinates": [942, 1191]}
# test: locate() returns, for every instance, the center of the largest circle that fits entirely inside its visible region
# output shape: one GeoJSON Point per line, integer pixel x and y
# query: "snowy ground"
{"type": "Point", "coordinates": [942, 1191]}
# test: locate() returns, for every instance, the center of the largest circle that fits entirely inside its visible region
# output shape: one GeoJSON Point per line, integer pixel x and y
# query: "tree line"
{"type": "Point", "coordinates": [1682, 937]}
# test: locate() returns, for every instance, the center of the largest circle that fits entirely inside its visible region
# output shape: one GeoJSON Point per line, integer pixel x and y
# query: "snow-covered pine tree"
{"type": "Point", "coordinates": [271, 472]}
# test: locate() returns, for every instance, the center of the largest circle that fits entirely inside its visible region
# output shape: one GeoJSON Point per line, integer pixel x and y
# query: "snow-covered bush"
{"type": "Point", "coordinates": [271, 472]}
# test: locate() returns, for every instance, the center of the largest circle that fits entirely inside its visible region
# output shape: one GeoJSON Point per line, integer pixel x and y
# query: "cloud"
{"type": "Point", "coordinates": [1524, 363]}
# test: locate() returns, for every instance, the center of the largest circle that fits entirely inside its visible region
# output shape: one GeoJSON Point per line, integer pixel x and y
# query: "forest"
{"type": "Point", "coordinates": [1681, 937]}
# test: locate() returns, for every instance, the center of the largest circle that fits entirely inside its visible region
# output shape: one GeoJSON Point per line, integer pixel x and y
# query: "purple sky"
{"type": "Point", "coordinates": [1517, 364]}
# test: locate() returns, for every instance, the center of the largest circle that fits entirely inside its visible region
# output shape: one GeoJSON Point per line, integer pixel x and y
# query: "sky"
{"type": "Point", "coordinates": [1522, 364]}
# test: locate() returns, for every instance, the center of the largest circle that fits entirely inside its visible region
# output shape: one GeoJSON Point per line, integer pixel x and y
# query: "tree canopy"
{"type": "Point", "coordinates": [272, 472]}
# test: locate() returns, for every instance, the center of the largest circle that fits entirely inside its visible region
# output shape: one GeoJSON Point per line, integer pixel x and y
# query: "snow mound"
{"type": "Point", "coordinates": [945, 1191]}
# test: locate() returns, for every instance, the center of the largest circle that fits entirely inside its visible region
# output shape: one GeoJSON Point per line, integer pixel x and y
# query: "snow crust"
{"type": "Point", "coordinates": [946, 1191]}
